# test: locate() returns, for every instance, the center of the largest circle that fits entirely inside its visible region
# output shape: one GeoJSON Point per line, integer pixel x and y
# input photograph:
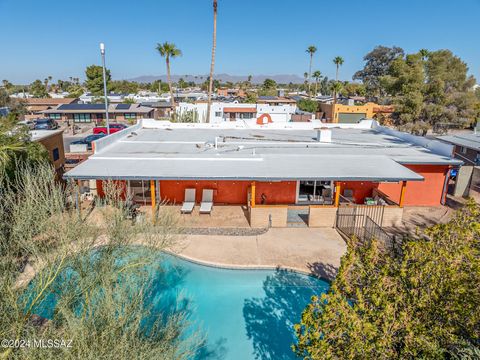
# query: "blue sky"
{"type": "Point", "coordinates": [60, 37]}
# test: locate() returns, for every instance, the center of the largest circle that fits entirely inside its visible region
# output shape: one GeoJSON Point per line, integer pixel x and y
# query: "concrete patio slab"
{"type": "Point", "coordinates": [316, 251]}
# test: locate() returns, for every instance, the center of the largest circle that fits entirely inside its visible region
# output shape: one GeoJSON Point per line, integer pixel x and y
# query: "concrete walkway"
{"type": "Point", "coordinates": [311, 250]}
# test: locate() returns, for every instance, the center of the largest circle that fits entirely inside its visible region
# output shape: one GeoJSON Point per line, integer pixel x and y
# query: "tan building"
{"type": "Point", "coordinates": [231, 92]}
{"type": "Point", "coordinates": [52, 140]}
{"type": "Point", "coordinates": [340, 113]}
{"type": "Point", "coordinates": [35, 106]}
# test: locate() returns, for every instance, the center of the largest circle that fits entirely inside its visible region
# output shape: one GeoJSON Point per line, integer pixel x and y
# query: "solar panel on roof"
{"type": "Point", "coordinates": [123, 106]}
{"type": "Point", "coordinates": [81, 107]}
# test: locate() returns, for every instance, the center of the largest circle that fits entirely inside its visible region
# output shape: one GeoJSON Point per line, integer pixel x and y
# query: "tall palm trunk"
{"type": "Point", "coordinates": [212, 64]}
{"type": "Point", "coordinates": [335, 90]}
{"type": "Point", "coordinates": [316, 87]}
{"type": "Point", "coordinates": [310, 75]}
{"type": "Point", "coordinates": [335, 94]}
{"type": "Point", "coordinates": [172, 99]}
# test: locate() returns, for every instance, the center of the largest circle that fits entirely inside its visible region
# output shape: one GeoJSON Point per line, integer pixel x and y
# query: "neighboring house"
{"type": "Point", "coordinates": [35, 106]}
{"type": "Point", "coordinates": [231, 92]}
{"type": "Point", "coordinates": [349, 113]}
{"type": "Point", "coordinates": [189, 95]}
{"type": "Point", "coordinates": [234, 111]}
{"type": "Point", "coordinates": [467, 149]}
{"type": "Point", "coordinates": [276, 100]}
{"type": "Point", "coordinates": [163, 109]}
{"type": "Point", "coordinates": [86, 113]}
{"type": "Point", "coordinates": [270, 169]}
{"type": "Point", "coordinates": [53, 142]}
{"type": "Point", "coordinates": [113, 98]}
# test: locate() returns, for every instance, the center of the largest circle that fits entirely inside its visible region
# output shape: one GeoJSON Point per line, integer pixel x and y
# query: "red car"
{"type": "Point", "coordinates": [113, 128]}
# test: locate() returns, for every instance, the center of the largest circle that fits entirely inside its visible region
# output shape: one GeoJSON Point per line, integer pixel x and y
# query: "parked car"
{"type": "Point", "coordinates": [113, 128]}
{"type": "Point", "coordinates": [45, 124]}
{"type": "Point", "coordinates": [88, 140]}
{"type": "Point", "coordinates": [28, 123]}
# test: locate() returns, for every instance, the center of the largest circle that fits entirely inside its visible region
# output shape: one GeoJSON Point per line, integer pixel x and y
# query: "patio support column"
{"type": "Point", "coordinates": [253, 195]}
{"type": "Point", "coordinates": [402, 193]}
{"type": "Point", "coordinates": [337, 194]}
{"type": "Point", "coordinates": [152, 194]}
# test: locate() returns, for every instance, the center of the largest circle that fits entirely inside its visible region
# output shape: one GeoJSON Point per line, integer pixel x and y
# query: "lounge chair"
{"type": "Point", "coordinates": [189, 202]}
{"type": "Point", "coordinates": [207, 201]}
{"type": "Point", "coordinates": [327, 196]}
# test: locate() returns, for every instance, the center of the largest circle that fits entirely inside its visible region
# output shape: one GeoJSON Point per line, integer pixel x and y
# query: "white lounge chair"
{"type": "Point", "coordinates": [189, 202]}
{"type": "Point", "coordinates": [207, 201]}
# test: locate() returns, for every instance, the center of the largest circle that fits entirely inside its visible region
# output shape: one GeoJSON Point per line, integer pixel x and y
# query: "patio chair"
{"type": "Point", "coordinates": [189, 202]}
{"type": "Point", "coordinates": [207, 201]}
{"type": "Point", "coordinates": [327, 196]}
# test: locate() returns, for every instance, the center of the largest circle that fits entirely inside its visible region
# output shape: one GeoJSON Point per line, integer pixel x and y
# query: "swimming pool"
{"type": "Point", "coordinates": [245, 314]}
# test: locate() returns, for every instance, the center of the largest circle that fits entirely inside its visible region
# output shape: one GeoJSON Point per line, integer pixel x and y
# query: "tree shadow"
{"type": "Point", "coordinates": [166, 298]}
{"type": "Point", "coordinates": [270, 319]}
{"type": "Point", "coordinates": [322, 270]}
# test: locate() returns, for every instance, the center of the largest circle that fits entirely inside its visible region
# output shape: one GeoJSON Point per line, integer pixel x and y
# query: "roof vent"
{"type": "Point", "coordinates": [324, 135]}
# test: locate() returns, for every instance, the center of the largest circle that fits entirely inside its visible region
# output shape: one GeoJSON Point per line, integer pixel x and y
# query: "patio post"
{"type": "Point", "coordinates": [337, 194]}
{"type": "Point", "coordinates": [253, 195]}
{"type": "Point", "coordinates": [152, 194]}
{"type": "Point", "coordinates": [402, 193]}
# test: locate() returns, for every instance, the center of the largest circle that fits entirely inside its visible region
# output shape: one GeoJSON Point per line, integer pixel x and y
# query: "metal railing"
{"type": "Point", "coordinates": [363, 222]}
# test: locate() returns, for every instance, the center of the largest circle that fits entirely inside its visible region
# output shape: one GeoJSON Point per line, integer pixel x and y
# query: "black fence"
{"type": "Point", "coordinates": [364, 222]}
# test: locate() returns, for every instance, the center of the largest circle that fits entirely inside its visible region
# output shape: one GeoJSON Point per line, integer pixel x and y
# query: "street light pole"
{"type": "Point", "coordinates": [102, 51]}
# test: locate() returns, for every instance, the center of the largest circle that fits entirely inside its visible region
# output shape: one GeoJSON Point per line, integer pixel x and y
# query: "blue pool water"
{"type": "Point", "coordinates": [245, 314]}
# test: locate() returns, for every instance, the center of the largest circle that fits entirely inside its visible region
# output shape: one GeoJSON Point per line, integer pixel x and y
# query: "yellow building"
{"type": "Point", "coordinates": [348, 113]}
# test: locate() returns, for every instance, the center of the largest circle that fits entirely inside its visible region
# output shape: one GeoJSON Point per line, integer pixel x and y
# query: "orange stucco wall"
{"type": "Point", "coordinates": [427, 192]}
{"type": "Point", "coordinates": [417, 193]}
{"type": "Point", "coordinates": [225, 192]}
{"type": "Point", "coordinates": [122, 185]}
{"type": "Point", "coordinates": [283, 192]}
{"type": "Point", "coordinates": [230, 192]}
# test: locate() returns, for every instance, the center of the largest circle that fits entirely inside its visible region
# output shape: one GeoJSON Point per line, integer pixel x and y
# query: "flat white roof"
{"type": "Point", "coordinates": [224, 153]}
{"type": "Point", "coordinates": [469, 140]}
{"type": "Point", "coordinates": [38, 135]}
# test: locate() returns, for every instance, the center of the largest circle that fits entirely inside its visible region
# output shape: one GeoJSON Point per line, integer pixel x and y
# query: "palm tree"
{"type": "Point", "coordinates": [311, 50]}
{"type": "Point", "coordinates": [424, 53]}
{"type": "Point", "coordinates": [169, 50]}
{"type": "Point", "coordinates": [317, 75]}
{"type": "Point", "coordinates": [338, 61]}
{"type": "Point", "coordinates": [212, 64]}
{"type": "Point", "coordinates": [46, 81]}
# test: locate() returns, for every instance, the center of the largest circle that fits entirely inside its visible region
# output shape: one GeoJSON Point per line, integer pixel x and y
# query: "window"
{"type": "Point", "coordinates": [218, 113]}
{"type": "Point", "coordinates": [130, 116]}
{"type": "Point", "coordinates": [246, 115]}
{"type": "Point", "coordinates": [463, 150]}
{"type": "Point", "coordinates": [55, 154]}
{"type": "Point", "coordinates": [320, 192]}
{"type": "Point", "coordinates": [83, 118]}
{"type": "Point", "coordinates": [55, 116]}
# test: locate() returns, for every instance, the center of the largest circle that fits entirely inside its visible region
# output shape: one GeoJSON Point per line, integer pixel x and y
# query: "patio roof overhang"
{"type": "Point", "coordinates": [254, 168]}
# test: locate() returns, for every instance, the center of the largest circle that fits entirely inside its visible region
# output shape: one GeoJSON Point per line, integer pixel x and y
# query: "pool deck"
{"type": "Point", "coordinates": [310, 250]}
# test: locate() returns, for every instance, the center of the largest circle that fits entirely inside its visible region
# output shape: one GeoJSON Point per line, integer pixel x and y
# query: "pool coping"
{"type": "Point", "coordinates": [245, 267]}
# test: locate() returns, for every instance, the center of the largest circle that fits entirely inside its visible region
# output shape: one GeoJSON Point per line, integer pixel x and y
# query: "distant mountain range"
{"type": "Point", "coordinates": [256, 79]}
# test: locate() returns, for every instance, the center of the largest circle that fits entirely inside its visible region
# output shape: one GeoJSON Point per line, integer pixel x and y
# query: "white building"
{"type": "Point", "coordinates": [234, 111]}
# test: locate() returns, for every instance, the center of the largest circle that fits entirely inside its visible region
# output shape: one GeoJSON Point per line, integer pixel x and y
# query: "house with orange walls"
{"type": "Point", "coordinates": [271, 165]}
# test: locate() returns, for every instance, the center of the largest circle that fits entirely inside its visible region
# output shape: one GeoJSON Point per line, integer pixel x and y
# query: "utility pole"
{"type": "Point", "coordinates": [102, 52]}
